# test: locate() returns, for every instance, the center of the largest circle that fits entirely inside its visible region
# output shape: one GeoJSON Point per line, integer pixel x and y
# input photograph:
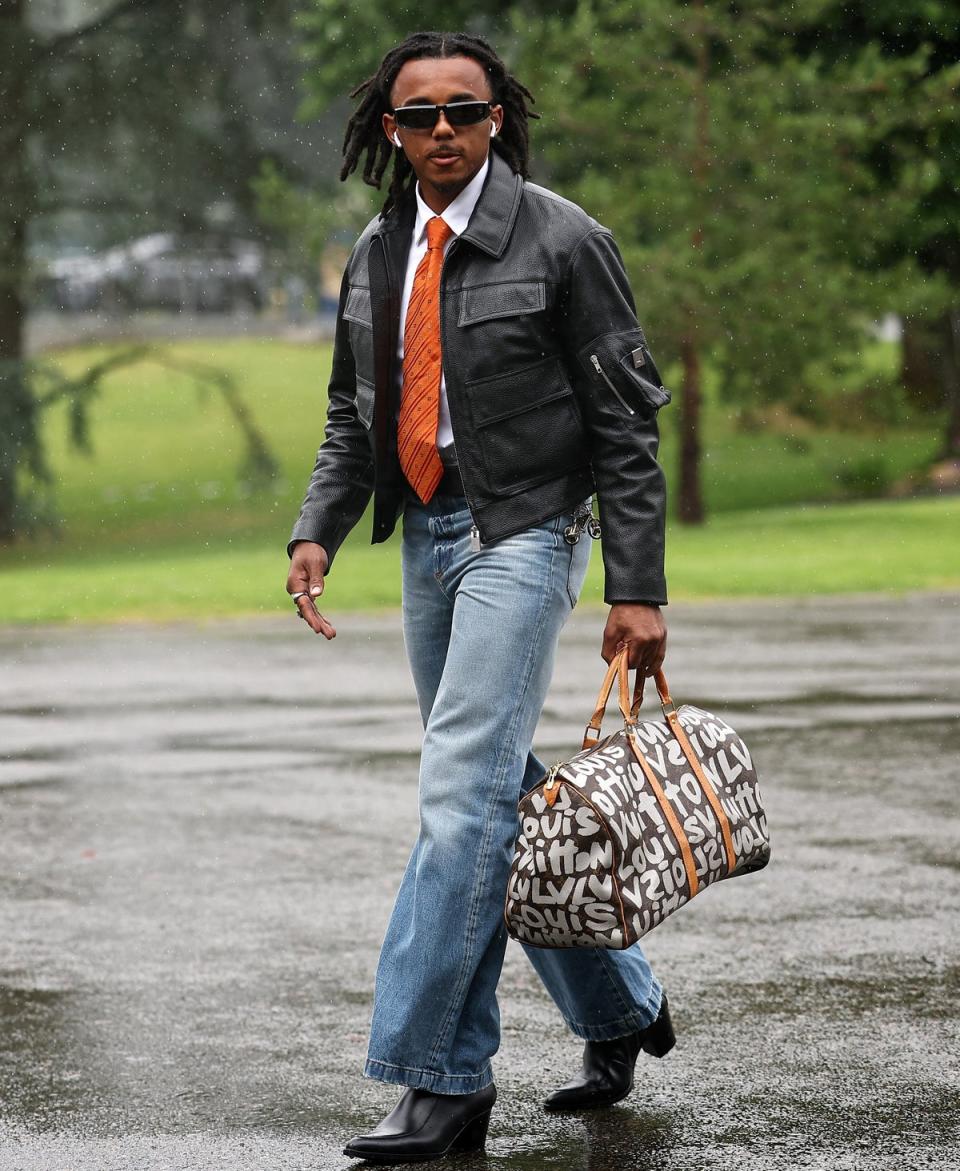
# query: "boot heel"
{"type": "Point", "coordinates": [473, 1135]}
{"type": "Point", "coordinates": [659, 1038]}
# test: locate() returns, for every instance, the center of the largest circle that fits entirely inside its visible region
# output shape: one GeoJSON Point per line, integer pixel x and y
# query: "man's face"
{"type": "Point", "coordinates": [447, 157]}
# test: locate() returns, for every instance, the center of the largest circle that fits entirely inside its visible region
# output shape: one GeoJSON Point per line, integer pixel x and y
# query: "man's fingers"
{"type": "Point", "coordinates": [314, 619]}
{"type": "Point", "coordinates": [648, 656]}
{"type": "Point", "coordinates": [659, 656]}
{"type": "Point", "coordinates": [651, 659]}
{"type": "Point", "coordinates": [305, 581]}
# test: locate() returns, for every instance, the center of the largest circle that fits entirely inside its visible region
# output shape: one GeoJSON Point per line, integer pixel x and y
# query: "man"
{"type": "Point", "coordinates": [489, 376]}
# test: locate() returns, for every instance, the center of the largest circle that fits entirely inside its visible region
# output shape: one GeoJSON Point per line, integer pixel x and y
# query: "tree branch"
{"type": "Point", "coordinates": [67, 40]}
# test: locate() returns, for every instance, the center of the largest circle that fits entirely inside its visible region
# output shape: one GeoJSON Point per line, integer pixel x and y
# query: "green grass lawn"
{"type": "Point", "coordinates": [840, 548]}
{"type": "Point", "coordinates": [156, 525]}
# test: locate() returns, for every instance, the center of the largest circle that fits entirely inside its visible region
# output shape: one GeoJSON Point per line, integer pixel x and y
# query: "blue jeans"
{"type": "Point", "coordinates": [481, 629]}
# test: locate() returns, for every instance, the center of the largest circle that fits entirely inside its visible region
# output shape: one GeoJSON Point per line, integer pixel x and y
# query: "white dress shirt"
{"type": "Point", "coordinates": [456, 217]}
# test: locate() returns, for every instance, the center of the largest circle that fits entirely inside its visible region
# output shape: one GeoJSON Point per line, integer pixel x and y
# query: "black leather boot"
{"type": "Point", "coordinates": [424, 1125]}
{"type": "Point", "coordinates": [607, 1074]}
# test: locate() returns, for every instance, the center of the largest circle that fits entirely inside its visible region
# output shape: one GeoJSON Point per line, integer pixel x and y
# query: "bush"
{"type": "Point", "coordinates": [867, 477]}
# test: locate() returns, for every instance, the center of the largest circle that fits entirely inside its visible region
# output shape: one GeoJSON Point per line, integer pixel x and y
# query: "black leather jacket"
{"type": "Point", "coordinates": [552, 391]}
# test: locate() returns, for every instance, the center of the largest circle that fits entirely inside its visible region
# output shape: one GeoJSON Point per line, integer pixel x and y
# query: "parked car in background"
{"type": "Point", "coordinates": [166, 270]}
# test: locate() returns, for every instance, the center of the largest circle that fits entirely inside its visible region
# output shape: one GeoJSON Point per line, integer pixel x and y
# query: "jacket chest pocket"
{"type": "Point", "coordinates": [506, 299]}
{"type": "Point", "coordinates": [365, 400]}
{"type": "Point", "coordinates": [504, 326]}
{"type": "Point", "coordinates": [358, 312]}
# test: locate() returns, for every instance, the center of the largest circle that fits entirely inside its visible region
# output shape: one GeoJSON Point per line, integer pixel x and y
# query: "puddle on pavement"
{"type": "Point", "coordinates": [922, 991]}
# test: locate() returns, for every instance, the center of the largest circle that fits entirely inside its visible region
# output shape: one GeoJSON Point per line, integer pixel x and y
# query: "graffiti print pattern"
{"type": "Point", "coordinates": [626, 842]}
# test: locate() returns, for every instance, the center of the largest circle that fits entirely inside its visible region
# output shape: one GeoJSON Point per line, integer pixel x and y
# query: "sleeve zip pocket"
{"type": "Point", "coordinates": [603, 374]}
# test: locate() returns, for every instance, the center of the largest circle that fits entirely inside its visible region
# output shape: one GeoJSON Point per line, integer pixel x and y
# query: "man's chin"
{"type": "Point", "coordinates": [450, 186]}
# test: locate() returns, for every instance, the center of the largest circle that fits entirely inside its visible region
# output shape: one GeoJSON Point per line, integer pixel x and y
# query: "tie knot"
{"type": "Point", "coordinates": [438, 233]}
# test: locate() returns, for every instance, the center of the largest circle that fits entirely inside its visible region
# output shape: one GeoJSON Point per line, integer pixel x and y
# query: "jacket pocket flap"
{"type": "Point", "coordinates": [646, 378]}
{"type": "Point", "coordinates": [366, 396]}
{"type": "Point", "coordinates": [493, 399]}
{"type": "Point", "coordinates": [359, 307]}
{"type": "Point", "coordinates": [508, 299]}
{"type": "Point", "coordinates": [621, 365]}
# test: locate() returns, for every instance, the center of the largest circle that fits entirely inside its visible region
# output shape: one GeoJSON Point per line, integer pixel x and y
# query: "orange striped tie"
{"type": "Point", "coordinates": [420, 397]}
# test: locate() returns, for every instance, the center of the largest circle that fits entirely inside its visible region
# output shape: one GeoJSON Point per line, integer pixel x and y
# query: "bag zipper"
{"type": "Point", "coordinates": [552, 780]}
{"type": "Point", "coordinates": [603, 374]}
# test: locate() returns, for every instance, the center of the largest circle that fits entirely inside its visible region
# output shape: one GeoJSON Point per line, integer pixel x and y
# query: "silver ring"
{"type": "Point", "coordinates": [295, 597]}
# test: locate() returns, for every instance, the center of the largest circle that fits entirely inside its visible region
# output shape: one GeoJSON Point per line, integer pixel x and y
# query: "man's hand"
{"type": "Point", "coordinates": [643, 628]}
{"type": "Point", "coordinates": [308, 567]}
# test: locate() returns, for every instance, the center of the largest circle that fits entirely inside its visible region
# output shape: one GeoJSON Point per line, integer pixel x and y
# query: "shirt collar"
{"type": "Point", "coordinates": [457, 215]}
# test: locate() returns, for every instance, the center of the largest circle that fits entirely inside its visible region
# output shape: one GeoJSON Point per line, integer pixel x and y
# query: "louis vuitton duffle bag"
{"type": "Point", "coordinates": [620, 836]}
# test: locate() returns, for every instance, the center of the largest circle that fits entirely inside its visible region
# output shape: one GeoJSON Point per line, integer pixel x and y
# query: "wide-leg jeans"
{"type": "Point", "coordinates": [481, 628]}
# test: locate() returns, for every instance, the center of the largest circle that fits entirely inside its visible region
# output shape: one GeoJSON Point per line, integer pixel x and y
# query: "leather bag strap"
{"type": "Point", "coordinates": [673, 719]}
{"type": "Point", "coordinates": [618, 670]}
{"type": "Point", "coordinates": [629, 709]}
{"type": "Point", "coordinates": [686, 853]}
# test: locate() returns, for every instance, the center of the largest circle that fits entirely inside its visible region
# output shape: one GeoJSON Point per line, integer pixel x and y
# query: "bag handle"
{"type": "Point", "coordinates": [620, 670]}
{"type": "Point", "coordinates": [629, 708]}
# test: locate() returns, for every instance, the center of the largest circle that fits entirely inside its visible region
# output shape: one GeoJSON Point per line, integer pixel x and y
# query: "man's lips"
{"type": "Point", "coordinates": [444, 160]}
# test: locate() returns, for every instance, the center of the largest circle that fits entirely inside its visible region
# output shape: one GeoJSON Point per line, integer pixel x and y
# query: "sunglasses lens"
{"type": "Point", "coordinates": [416, 117]}
{"type": "Point", "coordinates": [425, 117]}
{"type": "Point", "coordinates": [467, 113]}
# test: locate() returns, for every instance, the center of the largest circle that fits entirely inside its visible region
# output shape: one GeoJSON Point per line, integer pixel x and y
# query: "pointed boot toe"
{"type": "Point", "coordinates": [424, 1125]}
{"type": "Point", "coordinates": [607, 1073]}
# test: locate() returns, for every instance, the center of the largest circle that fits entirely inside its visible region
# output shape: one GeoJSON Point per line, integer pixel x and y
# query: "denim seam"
{"type": "Point", "coordinates": [570, 597]}
{"type": "Point", "coordinates": [460, 1077]}
{"type": "Point", "coordinates": [621, 1027]}
{"type": "Point", "coordinates": [500, 776]}
{"type": "Point", "coordinates": [441, 560]}
{"type": "Point", "coordinates": [617, 989]}
{"type": "Point", "coordinates": [629, 1020]}
{"type": "Point", "coordinates": [439, 1083]}
{"type": "Point", "coordinates": [561, 543]}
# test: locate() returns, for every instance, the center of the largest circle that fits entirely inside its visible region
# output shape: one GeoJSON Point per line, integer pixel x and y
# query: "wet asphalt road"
{"type": "Point", "coordinates": [201, 830]}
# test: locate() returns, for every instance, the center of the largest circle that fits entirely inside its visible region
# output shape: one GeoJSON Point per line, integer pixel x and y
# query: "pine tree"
{"type": "Point", "coordinates": [726, 171]}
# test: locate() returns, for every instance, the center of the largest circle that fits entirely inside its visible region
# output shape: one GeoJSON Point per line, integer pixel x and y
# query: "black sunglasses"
{"type": "Point", "coordinates": [426, 117]}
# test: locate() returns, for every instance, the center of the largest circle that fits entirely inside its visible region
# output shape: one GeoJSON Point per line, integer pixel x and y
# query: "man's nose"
{"type": "Point", "coordinates": [442, 128]}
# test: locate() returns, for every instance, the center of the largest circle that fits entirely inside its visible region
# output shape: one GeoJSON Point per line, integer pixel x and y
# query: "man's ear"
{"type": "Point", "coordinates": [390, 129]}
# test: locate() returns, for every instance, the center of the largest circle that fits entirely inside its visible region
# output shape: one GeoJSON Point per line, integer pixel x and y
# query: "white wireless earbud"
{"type": "Point", "coordinates": [493, 130]}
{"type": "Point", "coordinates": [396, 139]}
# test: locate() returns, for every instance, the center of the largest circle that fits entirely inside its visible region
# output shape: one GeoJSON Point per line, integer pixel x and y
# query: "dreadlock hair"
{"type": "Point", "coordinates": [365, 128]}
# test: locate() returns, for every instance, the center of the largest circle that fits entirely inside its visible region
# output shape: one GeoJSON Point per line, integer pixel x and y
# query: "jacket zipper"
{"type": "Point", "coordinates": [603, 374]}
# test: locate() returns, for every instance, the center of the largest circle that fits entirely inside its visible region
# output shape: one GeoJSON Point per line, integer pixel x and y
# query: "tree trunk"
{"type": "Point", "coordinates": [690, 508]}
{"type": "Point", "coordinates": [16, 406]}
{"type": "Point", "coordinates": [951, 380]}
{"type": "Point", "coordinates": [930, 371]}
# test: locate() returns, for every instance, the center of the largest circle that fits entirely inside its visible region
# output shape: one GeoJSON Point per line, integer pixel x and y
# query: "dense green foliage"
{"type": "Point", "coordinates": [778, 175]}
{"type": "Point", "coordinates": [116, 120]}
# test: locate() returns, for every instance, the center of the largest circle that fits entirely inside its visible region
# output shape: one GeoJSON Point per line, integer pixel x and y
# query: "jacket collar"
{"type": "Point", "coordinates": [493, 217]}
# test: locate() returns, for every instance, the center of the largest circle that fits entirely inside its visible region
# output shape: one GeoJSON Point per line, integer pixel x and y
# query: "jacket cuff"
{"type": "Point", "coordinates": [634, 602]}
{"type": "Point", "coordinates": [329, 539]}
